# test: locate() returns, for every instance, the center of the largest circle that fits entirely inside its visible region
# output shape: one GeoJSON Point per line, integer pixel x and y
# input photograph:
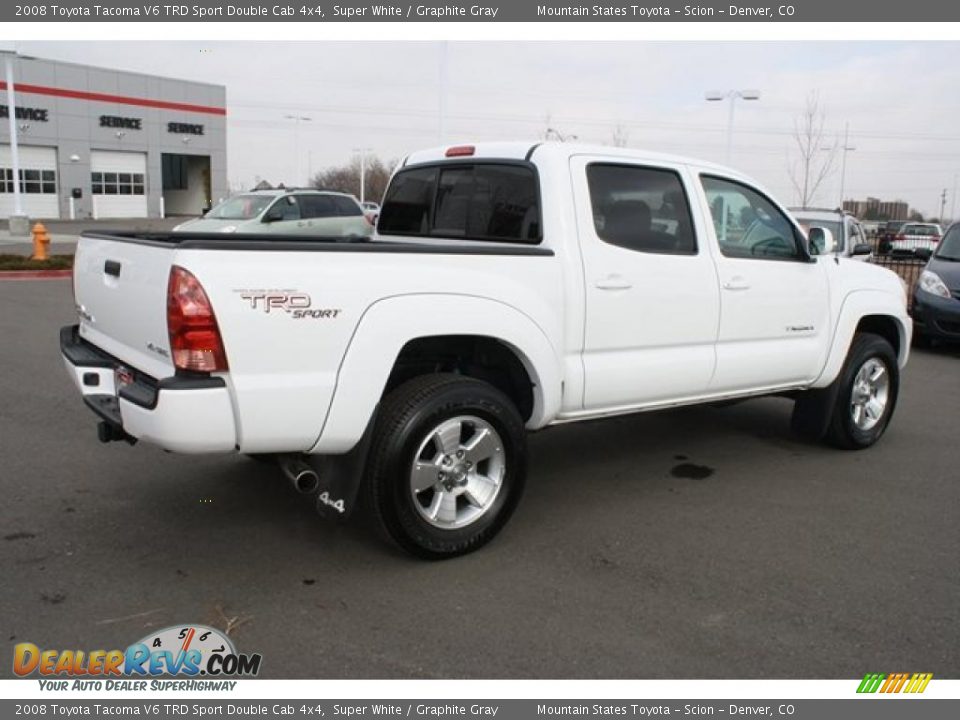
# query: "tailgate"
{"type": "Point", "coordinates": [121, 295]}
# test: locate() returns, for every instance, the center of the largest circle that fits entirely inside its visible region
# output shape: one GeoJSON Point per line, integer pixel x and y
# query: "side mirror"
{"type": "Point", "coordinates": [862, 249]}
{"type": "Point", "coordinates": [273, 215]}
{"type": "Point", "coordinates": [819, 240]}
{"type": "Point", "coordinates": [924, 253]}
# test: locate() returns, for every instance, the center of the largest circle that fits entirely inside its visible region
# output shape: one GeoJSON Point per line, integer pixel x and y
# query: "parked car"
{"type": "Point", "coordinates": [285, 212]}
{"type": "Point", "coordinates": [936, 297]}
{"type": "Point", "coordinates": [916, 236]}
{"type": "Point", "coordinates": [887, 233]}
{"type": "Point", "coordinates": [849, 239]}
{"type": "Point", "coordinates": [512, 286]}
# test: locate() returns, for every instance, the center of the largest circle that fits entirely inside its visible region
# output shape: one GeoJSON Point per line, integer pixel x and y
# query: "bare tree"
{"type": "Point", "coordinates": [620, 136]}
{"type": "Point", "coordinates": [815, 159]}
{"type": "Point", "coordinates": [346, 178]}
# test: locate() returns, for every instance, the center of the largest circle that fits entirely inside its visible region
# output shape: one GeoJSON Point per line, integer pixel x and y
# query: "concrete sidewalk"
{"type": "Point", "coordinates": [59, 245]}
{"type": "Point", "coordinates": [65, 233]}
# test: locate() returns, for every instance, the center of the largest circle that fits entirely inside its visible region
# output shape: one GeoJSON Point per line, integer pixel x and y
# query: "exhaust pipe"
{"type": "Point", "coordinates": [300, 474]}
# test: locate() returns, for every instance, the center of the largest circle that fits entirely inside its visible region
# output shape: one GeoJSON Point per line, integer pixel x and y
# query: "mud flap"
{"type": "Point", "coordinates": [341, 476]}
{"type": "Point", "coordinates": [813, 411]}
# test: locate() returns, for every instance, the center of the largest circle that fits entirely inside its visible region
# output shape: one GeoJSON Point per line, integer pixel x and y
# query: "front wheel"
{"type": "Point", "coordinates": [867, 394]}
{"type": "Point", "coordinates": [447, 465]}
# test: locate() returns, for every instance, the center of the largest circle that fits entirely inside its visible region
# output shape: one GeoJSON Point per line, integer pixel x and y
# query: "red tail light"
{"type": "Point", "coordinates": [194, 336]}
{"type": "Point", "coordinates": [899, 238]}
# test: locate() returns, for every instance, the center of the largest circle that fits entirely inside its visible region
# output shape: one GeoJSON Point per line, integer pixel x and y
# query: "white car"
{"type": "Point", "coordinates": [916, 236]}
{"type": "Point", "coordinates": [512, 286]}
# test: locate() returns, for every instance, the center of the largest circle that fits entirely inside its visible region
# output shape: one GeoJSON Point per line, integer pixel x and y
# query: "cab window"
{"type": "Point", "coordinates": [641, 209]}
{"type": "Point", "coordinates": [747, 224]}
{"type": "Point", "coordinates": [469, 201]}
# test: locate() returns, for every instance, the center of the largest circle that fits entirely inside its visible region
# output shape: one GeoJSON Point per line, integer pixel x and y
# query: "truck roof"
{"type": "Point", "coordinates": [525, 150]}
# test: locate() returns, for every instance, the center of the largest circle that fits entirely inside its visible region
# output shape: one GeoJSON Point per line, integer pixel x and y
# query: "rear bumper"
{"type": "Point", "coordinates": [181, 414]}
{"type": "Point", "coordinates": [911, 245]}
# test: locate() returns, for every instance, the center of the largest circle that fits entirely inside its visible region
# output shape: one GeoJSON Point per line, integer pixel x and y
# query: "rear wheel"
{"type": "Point", "coordinates": [447, 465]}
{"type": "Point", "coordinates": [867, 394]}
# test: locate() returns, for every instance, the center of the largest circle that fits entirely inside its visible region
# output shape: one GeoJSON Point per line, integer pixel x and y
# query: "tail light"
{"type": "Point", "coordinates": [194, 336]}
{"type": "Point", "coordinates": [899, 238]}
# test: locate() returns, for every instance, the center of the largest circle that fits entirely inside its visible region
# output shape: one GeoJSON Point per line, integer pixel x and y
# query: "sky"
{"type": "Point", "coordinates": [899, 100]}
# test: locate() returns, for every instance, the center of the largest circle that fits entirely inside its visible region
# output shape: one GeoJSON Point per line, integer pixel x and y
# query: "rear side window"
{"type": "Point", "coordinates": [488, 201]}
{"type": "Point", "coordinates": [641, 209]}
{"type": "Point", "coordinates": [317, 206]}
{"type": "Point", "coordinates": [345, 206]}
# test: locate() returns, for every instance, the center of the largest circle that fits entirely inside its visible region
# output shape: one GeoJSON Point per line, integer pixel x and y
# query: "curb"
{"type": "Point", "coordinates": [35, 274]}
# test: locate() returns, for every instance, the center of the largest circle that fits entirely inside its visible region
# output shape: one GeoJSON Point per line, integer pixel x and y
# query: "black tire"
{"type": "Point", "coordinates": [843, 431]}
{"type": "Point", "coordinates": [404, 423]}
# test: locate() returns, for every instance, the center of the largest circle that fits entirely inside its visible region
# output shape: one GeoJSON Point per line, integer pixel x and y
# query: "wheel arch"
{"type": "Point", "coordinates": [877, 312]}
{"type": "Point", "coordinates": [403, 337]}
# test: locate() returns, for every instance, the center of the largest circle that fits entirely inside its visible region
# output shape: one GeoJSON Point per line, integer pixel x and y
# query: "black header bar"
{"type": "Point", "coordinates": [323, 11]}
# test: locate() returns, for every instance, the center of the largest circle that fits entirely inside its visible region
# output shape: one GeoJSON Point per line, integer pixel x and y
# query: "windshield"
{"type": "Point", "coordinates": [240, 207]}
{"type": "Point", "coordinates": [925, 230]}
{"type": "Point", "coordinates": [950, 245]}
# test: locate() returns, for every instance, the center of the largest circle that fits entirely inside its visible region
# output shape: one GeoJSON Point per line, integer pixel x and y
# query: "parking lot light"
{"type": "Point", "coordinates": [731, 95]}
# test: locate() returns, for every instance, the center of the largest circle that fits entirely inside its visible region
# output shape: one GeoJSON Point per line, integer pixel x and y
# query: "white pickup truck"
{"type": "Point", "coordinates": [510, 287]}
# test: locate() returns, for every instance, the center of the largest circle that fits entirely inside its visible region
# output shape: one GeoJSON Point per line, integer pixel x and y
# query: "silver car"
{"type": "Point", "coordinates": [317, 213]}
{"type": "Point", "coordinates": [849, 239]}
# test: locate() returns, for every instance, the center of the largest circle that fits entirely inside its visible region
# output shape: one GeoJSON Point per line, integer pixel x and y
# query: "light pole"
{"type": "Point", "coordinates": [844, 149]}
{"type": "Point", "coordinates": [363, 170]}
{"type": "Point", "coordinates": [953, 202]}
{"type": "Point", "coordinates": [18, 223]}
{"type": "Point", "coordinates": [731, 95]}
{"type": "Point", "coordinates": [297, 119]}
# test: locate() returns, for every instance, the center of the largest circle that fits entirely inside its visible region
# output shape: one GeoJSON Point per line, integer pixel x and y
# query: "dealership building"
{"type": "Point", "coordinates": [99, 143]}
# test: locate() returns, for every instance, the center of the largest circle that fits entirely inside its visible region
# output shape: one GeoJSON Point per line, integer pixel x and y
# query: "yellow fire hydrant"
{"type": "Point", "coordinates": [41, 241]}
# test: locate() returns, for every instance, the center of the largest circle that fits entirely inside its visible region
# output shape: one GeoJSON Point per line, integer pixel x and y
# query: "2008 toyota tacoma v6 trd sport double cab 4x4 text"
{"type": "Point", "coordinates": [509, 287]}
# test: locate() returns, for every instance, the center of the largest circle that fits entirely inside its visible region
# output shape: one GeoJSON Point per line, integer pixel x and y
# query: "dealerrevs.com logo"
{"type": "Point", "coordinates": [182, 651]}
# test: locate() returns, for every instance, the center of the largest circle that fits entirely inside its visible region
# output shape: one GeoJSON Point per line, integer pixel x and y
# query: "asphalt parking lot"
{"type": "Point", "coordinates": [770, 558]}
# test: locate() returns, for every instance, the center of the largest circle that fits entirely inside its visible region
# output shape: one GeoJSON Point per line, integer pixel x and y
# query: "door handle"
{"type": "Point", "coordinates": [736, 283]}
{"type": "Point", "coordinates": [613, 282]}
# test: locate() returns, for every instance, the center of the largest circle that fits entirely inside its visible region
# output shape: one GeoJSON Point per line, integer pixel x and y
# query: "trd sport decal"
{"type": "Point", "coordinates": [296, 304]}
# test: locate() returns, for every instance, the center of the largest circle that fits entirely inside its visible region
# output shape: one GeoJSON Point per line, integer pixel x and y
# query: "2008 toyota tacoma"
{"type": "Point", "coordinates": [509, 287]}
